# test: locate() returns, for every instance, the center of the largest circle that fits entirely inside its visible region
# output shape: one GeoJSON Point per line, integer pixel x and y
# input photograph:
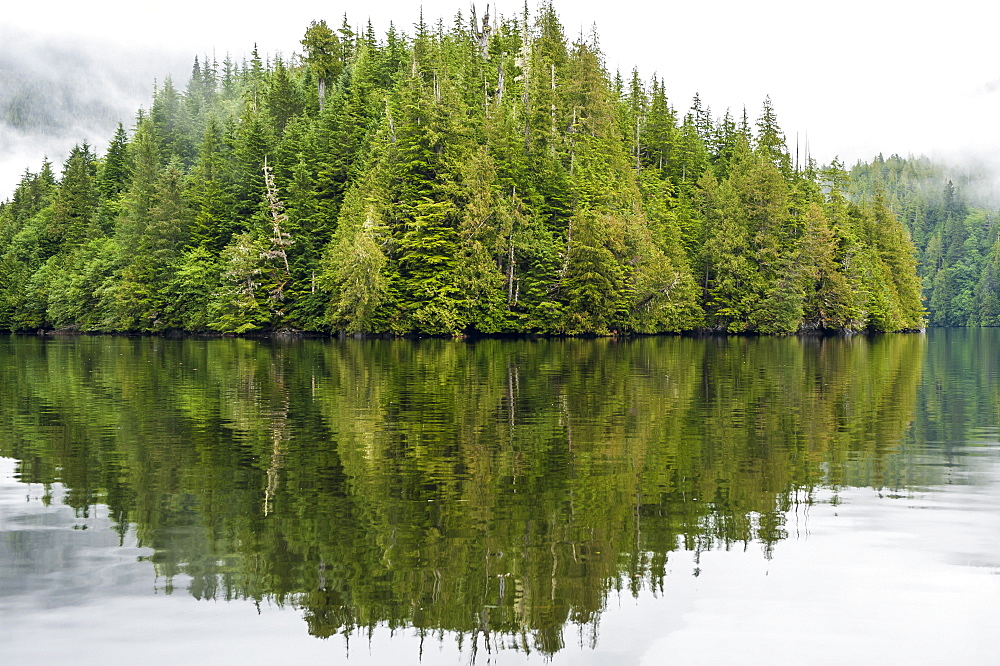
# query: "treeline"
{"type": "Point", "coordinates": [487, 176]}
{"type": "Point", "coordinates": [952, 221]}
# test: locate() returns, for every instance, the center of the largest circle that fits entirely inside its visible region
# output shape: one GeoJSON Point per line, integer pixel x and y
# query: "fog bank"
{"type": "Point", "coordinates": [56, 92]}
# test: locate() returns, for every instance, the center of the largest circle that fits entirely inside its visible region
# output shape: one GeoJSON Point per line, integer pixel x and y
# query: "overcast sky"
{"type": "Point", "coordinates": [856, 77]}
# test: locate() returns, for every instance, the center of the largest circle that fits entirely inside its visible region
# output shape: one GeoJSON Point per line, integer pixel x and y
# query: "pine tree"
{"type": "Point", "coordinates": [324, 55]}
{"type": "Point", "coordinates": [353, 270]}
{"type": "Point", "coordinates": [115, 173]}
{"type": "Point", "coordinates": [77, 200]}
{"type": "Point", "coordinates": [209, 194]}
{"type": "Point", "coordinates": [281, 97]}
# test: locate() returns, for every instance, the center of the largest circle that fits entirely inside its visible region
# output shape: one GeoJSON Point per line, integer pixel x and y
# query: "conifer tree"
{"type": "Point", "coordinates": [353, 270]}
{"type": "Point", "coordinates": [480, 176]}
{"type": "Point", "coordinates": [988, 290]}
{"type": "Point", "coordinates": [323, 54]}
{"type": "Point", "coordinates": [770, 140]}
{"type": "Point", "coordinates": [829, 301]}
{"type": "Point", "coordinates": [281, 97]}
{"type": "Point", "coordinates": [78, 198]}
{"type": "Point", "coordinates": [171, 123]}
{"type": "Point", "coordinates": [209, 194]}
{"type": "Point", "coordinates": [253, 141]}
{"type": "Point", "coordinates": [115, 173]}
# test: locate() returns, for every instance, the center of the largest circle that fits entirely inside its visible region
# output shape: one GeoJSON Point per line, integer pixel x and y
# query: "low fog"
{"type": "Point", "coordinates": [58, 92]}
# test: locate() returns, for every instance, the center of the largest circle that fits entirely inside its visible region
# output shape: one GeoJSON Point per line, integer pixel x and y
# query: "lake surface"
{"type": "Point", "coordinates": [658, 500]}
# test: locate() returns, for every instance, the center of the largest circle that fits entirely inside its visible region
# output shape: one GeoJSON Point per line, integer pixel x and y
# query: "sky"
{"type": "Point", "coordinates": [850, 79]}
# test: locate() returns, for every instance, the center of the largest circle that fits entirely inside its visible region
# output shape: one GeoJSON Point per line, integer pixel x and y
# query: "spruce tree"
{"type": "Point", "coordinates": [323, 55]}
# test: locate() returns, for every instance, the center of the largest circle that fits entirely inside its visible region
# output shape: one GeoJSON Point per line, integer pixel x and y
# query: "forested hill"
{"type": "Point", "coordinates": [951, 215]}
{"type": "Point", "coordinates": [478, 176]}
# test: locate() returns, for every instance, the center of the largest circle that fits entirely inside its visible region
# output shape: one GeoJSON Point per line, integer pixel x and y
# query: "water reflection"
{"type": "Point", "coordinates": [497, 491]}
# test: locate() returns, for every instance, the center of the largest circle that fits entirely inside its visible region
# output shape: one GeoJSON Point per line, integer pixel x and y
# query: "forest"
{"type": "Point", "coordinates": [482, 176]}
{"type": "Point", "coordinates": [951, 216]}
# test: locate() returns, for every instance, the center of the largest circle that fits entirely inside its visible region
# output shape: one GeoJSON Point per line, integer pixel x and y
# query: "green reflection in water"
{"type": "Point", "coordinates": [496, 487]}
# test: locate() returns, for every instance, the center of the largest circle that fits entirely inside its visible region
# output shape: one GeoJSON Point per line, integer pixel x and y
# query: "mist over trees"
{"type": "Point", "coordinates": [485, 175]}
{"type": "Point", "coordinates": [951, 216]}
{"type": "Point", "coordinates": [55, 92]}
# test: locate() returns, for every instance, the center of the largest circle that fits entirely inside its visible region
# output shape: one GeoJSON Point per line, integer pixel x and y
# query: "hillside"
{"type": "Point", "coordinates": [951, 216]}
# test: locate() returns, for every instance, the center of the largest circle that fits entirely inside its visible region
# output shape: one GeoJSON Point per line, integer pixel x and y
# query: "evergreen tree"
{"type": "Point", "coordinates": [770, 140]}
{"type": "Point", "coordinates": [282, 97]}
{"type": "Point", "coordinates": [76, 203]}
{"type": "Point", "coordinates": [481, 176]}
{"type": "Point", "coordinates": [170, 120]}
{"type": "Point", "coordinates": [324, 55]}
{"type": "Point", "coordinates": [354, 267]}
{"type": "Point", "coordinates": [116, 168]}
{"type": "Point", "coordinates": [209, 192]}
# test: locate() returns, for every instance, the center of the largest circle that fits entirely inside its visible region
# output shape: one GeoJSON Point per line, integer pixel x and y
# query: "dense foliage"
{"type": "Point", "coordinates": [484, 177]}
{"type": "Point", "coordinates": [951, 216]}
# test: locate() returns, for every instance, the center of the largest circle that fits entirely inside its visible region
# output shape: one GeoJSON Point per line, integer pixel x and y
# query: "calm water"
{"type": "Point", "coordinates": [662, 500]}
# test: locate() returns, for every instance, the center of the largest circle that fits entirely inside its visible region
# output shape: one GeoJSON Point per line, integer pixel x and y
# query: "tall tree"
{"type": "Point", "coordinates": [324, 55]}
{"type": "Point", "coordinates": [76, 203]}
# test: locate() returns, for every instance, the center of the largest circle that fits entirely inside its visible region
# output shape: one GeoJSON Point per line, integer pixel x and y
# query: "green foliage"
{"type": "Point", "coordinates": [324, 54]}
{"type": "Point", "coordinates": [952, 222]}
{"type": "Point", "coordinates": [194, 281]}
{"type": "Point", "coordinates": [77, 199]}
{"type": "Point", "coordinates": [485, 178]}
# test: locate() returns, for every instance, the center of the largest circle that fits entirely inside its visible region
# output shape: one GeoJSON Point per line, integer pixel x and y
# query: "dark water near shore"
{"type": "Point", "coordinates": [695, 501]}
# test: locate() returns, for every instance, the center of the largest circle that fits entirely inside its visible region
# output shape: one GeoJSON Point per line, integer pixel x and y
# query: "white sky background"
{"type": "Point", "coordinates": [857, 77]}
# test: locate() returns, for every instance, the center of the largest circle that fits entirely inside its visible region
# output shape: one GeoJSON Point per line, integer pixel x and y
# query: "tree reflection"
{"type": "Point", "coordinates": [497, 490]}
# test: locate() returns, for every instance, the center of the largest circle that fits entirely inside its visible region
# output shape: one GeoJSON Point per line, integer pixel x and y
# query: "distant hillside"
{"type": "Point", "coordinates": [951, 214]}
{"type": "Point", "coordinates": [55, 93]}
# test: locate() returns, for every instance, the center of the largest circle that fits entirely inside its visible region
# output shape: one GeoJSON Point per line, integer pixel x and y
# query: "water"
{"type": "Point", "coordinates": [694, 501]}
